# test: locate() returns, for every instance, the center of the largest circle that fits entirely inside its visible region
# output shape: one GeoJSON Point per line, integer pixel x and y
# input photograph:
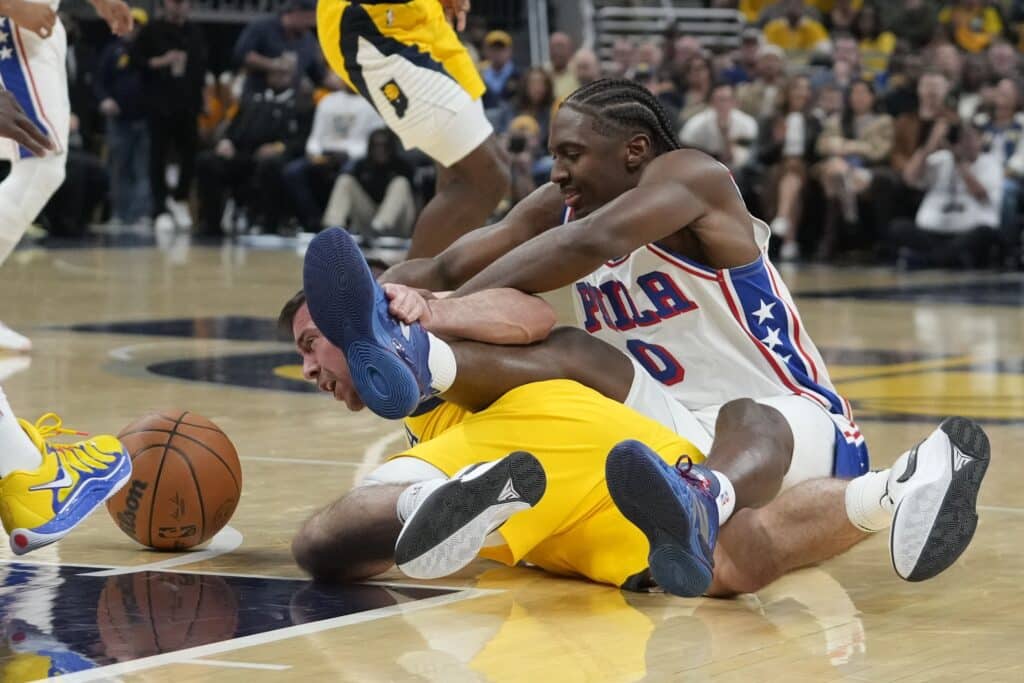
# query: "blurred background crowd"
{"type": "Point", "coordinates": [872, 131]}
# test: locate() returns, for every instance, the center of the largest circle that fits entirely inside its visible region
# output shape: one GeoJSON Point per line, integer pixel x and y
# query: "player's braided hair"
{"type": "Point", "coordinates": [617, 106]}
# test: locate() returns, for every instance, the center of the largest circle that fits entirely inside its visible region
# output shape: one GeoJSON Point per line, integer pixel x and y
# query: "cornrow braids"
{"type": "Point", "coordinates": [618, 105]}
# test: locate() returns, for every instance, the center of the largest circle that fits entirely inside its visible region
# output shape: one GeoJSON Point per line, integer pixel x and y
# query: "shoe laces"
{"type": "Point", "coordinates": [74, 455]}
{"type": "Point", "coordinates": [687, 473]}
{"type": "Point", "coordinates": [51, 424]}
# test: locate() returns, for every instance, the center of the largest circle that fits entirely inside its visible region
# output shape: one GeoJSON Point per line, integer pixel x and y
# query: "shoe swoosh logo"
{"type": "Point", "coordinates": [911, 465]}
{"type": "Point", "coordinates": [61, 482]}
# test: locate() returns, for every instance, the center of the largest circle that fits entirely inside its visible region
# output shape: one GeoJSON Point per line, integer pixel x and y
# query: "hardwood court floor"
{"type": "Point", "coordinates": [122, 331]}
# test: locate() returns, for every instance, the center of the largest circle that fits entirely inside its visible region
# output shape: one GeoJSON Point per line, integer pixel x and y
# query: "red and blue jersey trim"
{"type": "Point", "coordinates": [16, 77]}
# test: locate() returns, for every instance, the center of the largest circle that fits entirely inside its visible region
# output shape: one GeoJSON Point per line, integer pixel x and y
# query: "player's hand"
{"type": "Point", "coordinates": [407, 304]}
{"type": "Point", "coordinates": [32, 16]}
{"type": "Point", "coordinates": [117, 14]}
{"type": "Point", "coordinates": [456, 11]}
{"type": "Point", "coordinates": [225, 149]}
{"type": "Point", "coordinates": [109, 107]}
{"type": "Point", "coordinates": [15, 125]}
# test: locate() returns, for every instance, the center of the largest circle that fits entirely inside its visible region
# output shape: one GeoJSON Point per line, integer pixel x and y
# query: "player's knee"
{"type": "Point", "coordinates": [765, 423]}
{"type": "Point", "coordinates": [485, 170]}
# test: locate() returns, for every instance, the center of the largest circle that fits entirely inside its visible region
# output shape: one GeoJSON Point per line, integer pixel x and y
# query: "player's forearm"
{"type": "Point", "coordinates": [545, 263]}
{"type": "Point", "coordinates": [497, 316]}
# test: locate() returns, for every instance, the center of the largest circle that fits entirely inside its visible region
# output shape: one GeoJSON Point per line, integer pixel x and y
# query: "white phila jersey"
{"type": "Point", "coordinates": [709, 336]}
{"type": "Point", "coordinates": [34, 70]}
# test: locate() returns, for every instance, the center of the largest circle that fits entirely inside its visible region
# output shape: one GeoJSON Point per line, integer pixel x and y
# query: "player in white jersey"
{"type": "Point", "coordinates": [33, 55]}
{"type": "Point", "coordinates": [694, 303]}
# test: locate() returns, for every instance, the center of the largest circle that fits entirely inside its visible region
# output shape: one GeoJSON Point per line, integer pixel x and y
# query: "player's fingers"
{"type": "Point", "coordinates": [462, 21]}
{"type": "Point", "coordinates": [32, 138]}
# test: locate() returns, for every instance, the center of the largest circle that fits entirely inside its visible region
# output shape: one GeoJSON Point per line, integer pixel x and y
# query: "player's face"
{"type": "Point", "coordinates": [591, 168]}
{"type": "Point", "coordinates": [323, 362]}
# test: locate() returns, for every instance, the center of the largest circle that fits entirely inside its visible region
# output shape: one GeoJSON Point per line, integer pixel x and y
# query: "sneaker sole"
{"type": "Point", "coordinates": [447, 530]}
{"type": "Point", "coordinates": [23, 541]}
{"type": "Point", "coordinates": [341, 291]}
{"type": "Point", "coordinates": [933, 527]}
{"type": "Point", "coordinates": [639, 490]}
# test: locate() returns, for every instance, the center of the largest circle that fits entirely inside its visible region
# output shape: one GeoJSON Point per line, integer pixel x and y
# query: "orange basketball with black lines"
{"type": "Point", "coordinates": [186, 481]}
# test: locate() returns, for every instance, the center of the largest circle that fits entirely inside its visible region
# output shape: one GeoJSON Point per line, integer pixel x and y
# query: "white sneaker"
{"type": "Point", "coordinates": [12, 341]}
{"type": "Point", "coordinates": [164, 223]}
{"type": "Point", "coordinates": [780, 227]}
{"type": "Point", "coordinates": [790, 251]}
{"type": "Point", "coordinates": [180, 212]}
{"type": "Point", "coordinates": [933, 489]}
{"type": "Point", "coordinates": [447, 529]}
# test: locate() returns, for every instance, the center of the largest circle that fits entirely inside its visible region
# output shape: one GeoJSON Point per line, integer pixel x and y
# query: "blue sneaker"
{"type": "Point", "coordinates": [387, 359]}
{"type": "Point", "coordinates": [674, 507]}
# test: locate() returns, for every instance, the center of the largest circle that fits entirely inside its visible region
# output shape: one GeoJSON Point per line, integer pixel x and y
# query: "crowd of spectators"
{"type": "Point", "coordinates": [857, 129]}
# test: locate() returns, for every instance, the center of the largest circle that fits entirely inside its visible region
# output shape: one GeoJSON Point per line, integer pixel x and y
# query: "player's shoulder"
{"type": "Point", "coordinates": [690, 167]}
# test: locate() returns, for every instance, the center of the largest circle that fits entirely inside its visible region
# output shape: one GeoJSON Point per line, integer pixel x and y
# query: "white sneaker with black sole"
{"type": "Point", "coordinates": [447, 529]}
{"type": "Point", "coordinates": [933, 489]}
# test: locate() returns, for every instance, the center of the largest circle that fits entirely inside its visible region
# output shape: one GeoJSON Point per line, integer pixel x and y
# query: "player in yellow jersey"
{"type": "Point", "coordinates": [591, 480]}
{"type": "Point", "coordinates": [406, 59]}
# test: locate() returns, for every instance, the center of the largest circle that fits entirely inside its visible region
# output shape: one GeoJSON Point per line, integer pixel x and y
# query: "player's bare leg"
{"type": "Point", "coordinates": [352, 538]}
{"type": "Point", "coordinates": [928, 497]}
{"type": "Point", "coordinates": [467, 193]}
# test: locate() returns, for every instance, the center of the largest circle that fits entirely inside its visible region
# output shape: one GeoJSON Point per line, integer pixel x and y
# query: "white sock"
{"type": "Point", "coordinates": [441, 363]}
{"type": "Point", "coordinates": [726, 499]}
{"type": "Point", "coordinates": [867, 504]}
{"type": "Point", "coordinates": [411, 497]}
{"type": "Point", "coordinates": [17, 452]}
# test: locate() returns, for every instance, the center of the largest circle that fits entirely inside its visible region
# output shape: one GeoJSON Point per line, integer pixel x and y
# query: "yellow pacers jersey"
{"type": "Point", "coordinates": [416, 30]}
{"type": "Point", "coordinates": [576, 528]}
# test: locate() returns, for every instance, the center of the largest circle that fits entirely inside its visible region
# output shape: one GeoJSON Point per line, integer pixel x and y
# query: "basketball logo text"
{"type": "Point", "coordinates": [126, 518]}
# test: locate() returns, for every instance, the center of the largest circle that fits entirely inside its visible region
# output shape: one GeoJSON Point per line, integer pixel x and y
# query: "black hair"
{"type": "Point", "coordinates": [849, 117]}
{"type": "Point", "coordinates": [621, 106]}
{"type": "Point", "coordinates": [286, 319]}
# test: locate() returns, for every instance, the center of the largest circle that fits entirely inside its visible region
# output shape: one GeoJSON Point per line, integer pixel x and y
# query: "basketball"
{"type": "Point", "coordinates": [186, 481]}
{"type": "Point", "coordinates": [177, 611]}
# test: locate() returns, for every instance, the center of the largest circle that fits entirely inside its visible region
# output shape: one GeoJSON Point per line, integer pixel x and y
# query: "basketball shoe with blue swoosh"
{"type": "Point", "coordinates": [387, 359]}
{"type": "Point", "coordinates": [674, 507]}
{"type": "Point", "coordinates": [42, 506]}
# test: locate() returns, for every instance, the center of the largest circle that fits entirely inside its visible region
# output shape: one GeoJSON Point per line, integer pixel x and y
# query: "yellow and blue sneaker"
{"type": "Point", "coordinates": [42, 506]}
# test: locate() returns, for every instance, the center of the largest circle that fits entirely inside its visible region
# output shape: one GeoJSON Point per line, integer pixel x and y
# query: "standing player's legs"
{"type": "Point", "coordinates": [408, 62]}
{"type": "Point", "coordinates": [35, 73]}
{"type": "Point", "coordinates": [46, 491]}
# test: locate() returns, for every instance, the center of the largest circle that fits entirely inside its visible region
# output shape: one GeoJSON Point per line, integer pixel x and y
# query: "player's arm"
{"type": "Point", "coordinates": [30, 16]}
{"type": "Point", "coordinates": [669, 196]}
{"type": "Point", "coordinates": [537, 213]}
{"type": "Point", "coordinates": [116, 13]}
{"type": "Point", "coordinates": [496, 316]}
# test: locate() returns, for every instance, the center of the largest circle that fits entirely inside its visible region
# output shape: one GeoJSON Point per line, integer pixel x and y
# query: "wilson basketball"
{"type": "Point", "coordinates": [186, 481]}
{"type": "Point", "coordinates": [147, 613]}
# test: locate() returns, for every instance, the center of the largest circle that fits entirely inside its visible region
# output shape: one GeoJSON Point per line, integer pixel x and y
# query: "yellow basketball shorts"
{"type": "Point", "coordinates": [407, 61]}
{"type": "Point", "coordinates": [576, 529]}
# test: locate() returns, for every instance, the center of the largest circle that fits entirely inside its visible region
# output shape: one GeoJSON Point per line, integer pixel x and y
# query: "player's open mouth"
{"type": "Point", "coordinates": [572, 198]}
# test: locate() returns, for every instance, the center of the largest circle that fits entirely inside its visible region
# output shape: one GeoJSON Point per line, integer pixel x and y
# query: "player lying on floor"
{"type": "Point", "coordinates": [666, 265]}
{"type": "Point", "coordinates": [547, 449]}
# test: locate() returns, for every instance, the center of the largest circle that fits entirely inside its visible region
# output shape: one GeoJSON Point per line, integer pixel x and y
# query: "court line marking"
{"type": "Point", "coordinates": [274, 577]}
{"type": "Point", "coordinates": [374, 454]}
{"type": "Point", "coordinates": [301, 461]}
{"type": "Point", "coordinates": [237, 665]}
{"type": "Point", "coordinates": [188, 654]}
{"type": "Point", "coordinates": [998, 508]}
{"type": "Point", "coordinates": [226, 540]}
